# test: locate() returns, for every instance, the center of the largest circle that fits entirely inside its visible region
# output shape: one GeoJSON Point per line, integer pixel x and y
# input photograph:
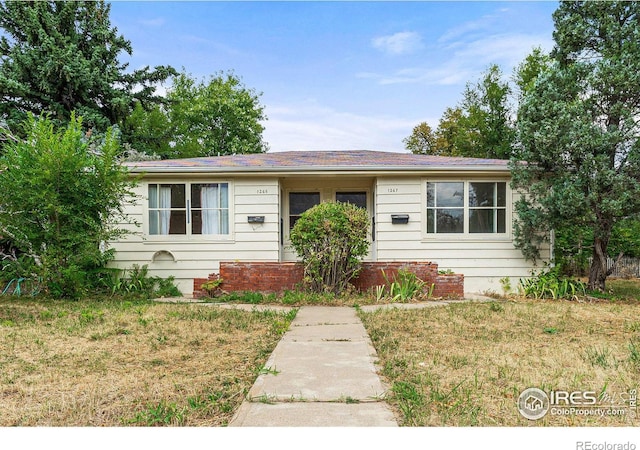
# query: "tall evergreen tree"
{"type": "Point", "coordinates": [62, 56]}
{"type": "Point", "coordinates": [578, 130]}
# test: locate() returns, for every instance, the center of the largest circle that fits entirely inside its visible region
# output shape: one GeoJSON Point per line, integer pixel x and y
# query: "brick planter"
{"type": "Point", "coordinates": [449, 286]}
{"type": "Point", "coordinates": [371, 274]}
{"type": "Point", "coordinates": [260, 276]}
{"type": "Point", "coordinates": [269, 277]}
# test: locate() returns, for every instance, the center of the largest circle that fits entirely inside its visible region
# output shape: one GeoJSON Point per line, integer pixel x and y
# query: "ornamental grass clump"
{"type": "Point", "coordinates": [331, 239]}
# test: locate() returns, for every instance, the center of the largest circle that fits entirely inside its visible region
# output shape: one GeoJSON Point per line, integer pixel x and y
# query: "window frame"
{"type": "Point", "coordinates": [288, 209]}
{"type": "Point", "coordinates": [466, 235]}
{"type": "Point", "coordinates": [189, 235]}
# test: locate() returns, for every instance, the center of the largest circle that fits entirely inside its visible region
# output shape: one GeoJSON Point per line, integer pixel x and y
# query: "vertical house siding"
{"type": "Point", "coordinates": [186, 259]}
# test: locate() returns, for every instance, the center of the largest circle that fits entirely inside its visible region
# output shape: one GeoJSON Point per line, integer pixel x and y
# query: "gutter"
{"type": "Point", "coordinates": [317, 170]}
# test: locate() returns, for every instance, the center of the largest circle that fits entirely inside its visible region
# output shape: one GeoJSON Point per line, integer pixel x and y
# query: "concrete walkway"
{"type": "Point", "coordinates": [321, 373]}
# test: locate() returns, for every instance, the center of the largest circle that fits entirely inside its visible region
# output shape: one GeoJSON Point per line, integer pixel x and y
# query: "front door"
{"type": "Point", "coordinates": [298, 199]}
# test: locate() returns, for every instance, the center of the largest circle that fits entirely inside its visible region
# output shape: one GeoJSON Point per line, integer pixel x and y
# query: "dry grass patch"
{"type": "Point", "coordinates": [111, 363]}
{"type": "Point", "coordinates": [466, 364]}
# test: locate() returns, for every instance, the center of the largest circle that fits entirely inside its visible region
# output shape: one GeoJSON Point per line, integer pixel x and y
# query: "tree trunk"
{"type": "Point", "coordinates": [597, 273]}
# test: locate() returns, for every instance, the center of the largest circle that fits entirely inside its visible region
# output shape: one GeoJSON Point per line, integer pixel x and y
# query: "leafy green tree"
{"type": "Point", "coordinates": [421, 140]}
{"type": "Point", "coordinates": [148, 132]}
{"type": "Point", "coordinates": [67, 197]}
{"type": "Point", "coordinates": [572, 249]}
{"type": "Point", "coordinates": [578, 131]}
{"type": "Point", "coordinates": [486, 124]}
{"type": "Point", "coordinates": [625, 238]}
{"type": "Point", "coordinates": [331, 239]}
{"type": "Point", "coordinates": [449, 133]}
{"type": "Point", "coordinates": [217, 117]}
{"type": "Point", "coordinates": [59, 57]}
{"type": "Point", "coordinates": [573, 244]}
{"type": "Point", "coordinates": [480, 126]}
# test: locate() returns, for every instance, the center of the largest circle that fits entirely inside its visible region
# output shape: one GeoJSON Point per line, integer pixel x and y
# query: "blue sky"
{"type": "Point", "coordinates": [339, 75]}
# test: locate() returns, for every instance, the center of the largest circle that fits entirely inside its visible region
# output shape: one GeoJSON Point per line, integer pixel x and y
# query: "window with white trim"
{"type": "Point", "coordinates": [204, 211]}
{"type": "Point", "coordinates": [474, 207]}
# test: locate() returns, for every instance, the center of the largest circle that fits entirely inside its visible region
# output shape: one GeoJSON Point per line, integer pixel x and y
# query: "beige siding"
{"type": "Point", "coordinates": [483, 261]}
{"type": "Point", "coordinates": [198, 257]}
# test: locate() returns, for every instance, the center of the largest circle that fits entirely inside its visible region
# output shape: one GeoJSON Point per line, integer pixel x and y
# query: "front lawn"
{"type": "Point", "coordinates": [621, 289]}
{"type": "Point", "coordinates": [139, 363]}
{"type": "Point", "coordinates": [466, 364]}
{"type": "Point", "coordinates": [115, 363]}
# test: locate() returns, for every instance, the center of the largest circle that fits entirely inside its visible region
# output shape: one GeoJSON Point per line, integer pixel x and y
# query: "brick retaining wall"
{"type": "Point", "coordinates": [371, 273]}
{"type": "Point", "coordinates": [449, 286]}
{"type": "Point", "coordinates": [260, 276]}
{"type": "Point", "coordinates": [277, 277]}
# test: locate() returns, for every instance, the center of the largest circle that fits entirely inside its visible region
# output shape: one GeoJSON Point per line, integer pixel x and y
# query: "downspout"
{"type": "Point", "coordinates": [552, 242]}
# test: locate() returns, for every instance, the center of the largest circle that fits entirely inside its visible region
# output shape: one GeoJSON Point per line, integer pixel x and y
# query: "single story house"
{"type": "Point", "coordinates": [200, 213]}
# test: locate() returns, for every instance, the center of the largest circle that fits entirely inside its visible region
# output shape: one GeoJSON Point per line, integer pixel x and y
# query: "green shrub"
{"type": "Point", "coordinates": [331, 239]}
{"type": "Point", "coordinates": [67, 191]}
{"type": "Point", "coordinates": [405, 286]}
{"type": "Point", "coordinates": [165, 287]}
{"type": "Point", "coordinates": [137, 282]}
{"type": "Point", "coordinates": [212, 288]}
{"type": "Point", "coordinates": [19, 276]}
{"type": "Point", "coordinates": [22, 266]}
{"type": "Point", "coordinates": [551, 284]}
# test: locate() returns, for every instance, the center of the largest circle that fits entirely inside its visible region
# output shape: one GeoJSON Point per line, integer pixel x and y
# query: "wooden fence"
{"type": "Point", "coordinates": [626, 267]}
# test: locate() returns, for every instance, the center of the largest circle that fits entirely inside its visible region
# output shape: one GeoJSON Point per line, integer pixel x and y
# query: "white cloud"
{"type": "Point", "coordinates": [465, 60]}
{"type": "Point", "coordinates": [312, 126]}
{"type": "Point", "coordinates": [506, 49]}
{"type": "Point", "coordinates": [446, 74]}
{"type": "Point", "coordinates": [461, 53]}
{"type": "Point", "coordinates": [399, 44]}
{"type": "Point", "coordinates": [483, 24]}
{"type": "Point", "coordinates": [208, 45]}
{"type": "Point", "coordinates": [157, 22]}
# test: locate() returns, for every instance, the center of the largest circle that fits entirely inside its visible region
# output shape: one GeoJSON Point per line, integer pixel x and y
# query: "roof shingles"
{"type": "Point", "coordinates": [305, 160]}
